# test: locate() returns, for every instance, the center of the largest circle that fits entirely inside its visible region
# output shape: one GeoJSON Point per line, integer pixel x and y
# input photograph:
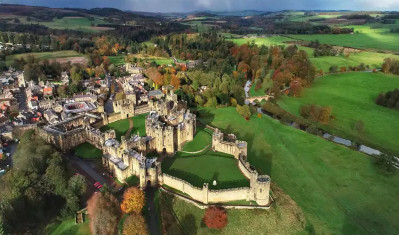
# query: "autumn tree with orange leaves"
{"type": "Point", "coordinates": [215, 217]}
{"type": "Point", "coordinates": [133, 201]}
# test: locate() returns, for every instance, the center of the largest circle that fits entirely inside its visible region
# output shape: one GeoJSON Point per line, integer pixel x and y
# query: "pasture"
{"type": "Point", "coordinates": [83, 24]}
{"type": "Point", "coordinates": [352, 98]}
{"type": "Point", "coordinates": [372, 40]}
{"type": "Point", "coordinates": [373, 59]}
{"type": "Point", "coordinates": [335, 186]}
{"type": "Point", "coordinates": [51, 55]}
{"type": "Point", "coordinates": [267, 41]}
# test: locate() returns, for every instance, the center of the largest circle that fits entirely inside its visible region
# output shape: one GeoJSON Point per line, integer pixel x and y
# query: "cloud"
{"type": "Point", "coordinates": [218, 5]}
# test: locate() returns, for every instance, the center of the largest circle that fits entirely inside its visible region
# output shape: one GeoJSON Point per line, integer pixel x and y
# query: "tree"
{"type": "Point", "coordinates": [215, 217]}
{"type": "Point", "coordinates": [133, 200]}
{"type": "Point", "coordinates": [77, 184]}
{"type": "Point", "coordinates": [135, 225]}
{"type": "Point", "coordinates": [104, 213]}
{"type": "Point", "coordinates": [243, 111]}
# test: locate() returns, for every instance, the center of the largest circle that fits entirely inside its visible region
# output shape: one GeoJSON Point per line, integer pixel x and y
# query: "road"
{"type": "Point", "coordinates": [88, 169]}
{"type": "Point", "coordinates": [153, 220]}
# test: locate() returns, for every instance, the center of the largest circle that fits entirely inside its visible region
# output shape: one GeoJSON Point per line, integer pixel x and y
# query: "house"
{"type": "Point", "coordinates": [47, 91]}
{"type": "Point", "coordinates": [50, 116]}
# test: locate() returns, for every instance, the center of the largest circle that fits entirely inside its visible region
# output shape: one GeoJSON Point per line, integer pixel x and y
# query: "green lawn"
{"type": "Point", "coordinates": [202, 138]}
{"type": "Point", "coordinates": [45, 55]}
{"type": "Point", "coordinates": [339, 190]}
{"type": "Point", "coordinates": [122, 126]}
{"type": "Point", "coordinates": [370, 40]}
{"type": "Point", "coordinates": [117, 60]}
{"type": "Point", "coordinates": [88, 151]}
{"type": "Point", "coordinates": [205, 167]}
{"type": "Point", "coordinates": [68, 227]}
{"type": "Point", "coordinates": [352, 98]}
{"type": "Point", "coordinates": [75, 23]}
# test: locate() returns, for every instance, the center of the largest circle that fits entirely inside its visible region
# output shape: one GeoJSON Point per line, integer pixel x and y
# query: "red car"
{"type": "Point", "coordinates": [97, 185]}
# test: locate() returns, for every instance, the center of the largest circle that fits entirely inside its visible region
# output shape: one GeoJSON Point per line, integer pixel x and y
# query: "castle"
{"type": "Point", "coordinates": [169, 125]}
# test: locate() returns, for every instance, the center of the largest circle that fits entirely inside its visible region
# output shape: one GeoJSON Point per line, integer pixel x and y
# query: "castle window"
{"type": "Point", "coordinates": [260, 190]}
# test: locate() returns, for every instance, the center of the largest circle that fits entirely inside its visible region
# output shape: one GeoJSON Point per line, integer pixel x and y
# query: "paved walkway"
{"type": "Point", "coordinates": [129, 131]}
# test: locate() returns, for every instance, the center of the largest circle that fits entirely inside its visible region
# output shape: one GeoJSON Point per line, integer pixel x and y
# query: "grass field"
{"type": "Point", "coordinates": [68, 227]}
{"type": "Point", "coordinates": [352, 98]}
{"type": "Point", "coordinates": [267, 41]}
{"type": "Point", "coordinates": [88, 151]}
{"type": "Point", "coordinates": [205, 167]}
{"type": "Point", "coordinates": [156, 59]}
{"type": "Point", "coordinates": [117, 60]}
{"type": "Point", "coordinates": [373, 59]}
{"type": "Point", "coordinates": [371, 40]}
{"type": "Point", "coordinates": [45, 55]}
{"type": "Point", "coordinates": [339, 190]}
{"type": "Point", "coordinates": [75, 23]}
{"type": "Point", "coordinates": [122, 126]}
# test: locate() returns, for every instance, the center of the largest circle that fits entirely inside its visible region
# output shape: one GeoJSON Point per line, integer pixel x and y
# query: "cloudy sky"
{"type": "Point", "coordinates": [218, 5]}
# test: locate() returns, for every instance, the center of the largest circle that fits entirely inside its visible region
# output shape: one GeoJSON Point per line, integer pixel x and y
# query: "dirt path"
{"type": "Point", "coordinates": [129, 131]}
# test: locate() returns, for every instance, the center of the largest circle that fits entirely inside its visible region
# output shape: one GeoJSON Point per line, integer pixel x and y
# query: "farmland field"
{"type": "Point", "coordinates": [376, 40]}
{"type": "Point", "coordinates": [46, 55]}
{"type": "Point", "coordinates": [267, 41]}
{"type": "Point", "coordinates": [334, 186]}
{"type": "Point", "coordinates": [373, 59]}
{"type": "Point", "coordinates": [352, 98]}
{"type": "Point", "coordinates": [75, 23]}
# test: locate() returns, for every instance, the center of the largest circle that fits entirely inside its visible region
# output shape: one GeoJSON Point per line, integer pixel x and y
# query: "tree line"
{"type": "Point", "coordinates": [37, 188]}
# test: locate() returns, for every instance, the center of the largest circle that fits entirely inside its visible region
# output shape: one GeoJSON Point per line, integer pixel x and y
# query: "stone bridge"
{"type": "Point", "coordinates": [258, 98]}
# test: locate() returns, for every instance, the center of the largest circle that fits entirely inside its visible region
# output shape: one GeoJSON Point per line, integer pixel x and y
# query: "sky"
{"type": "Point", "coordinates": [218, 5]}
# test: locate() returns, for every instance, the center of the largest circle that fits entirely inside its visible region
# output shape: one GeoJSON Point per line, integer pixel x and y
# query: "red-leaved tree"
{"type": "Point", "coordinates": [215, 217]}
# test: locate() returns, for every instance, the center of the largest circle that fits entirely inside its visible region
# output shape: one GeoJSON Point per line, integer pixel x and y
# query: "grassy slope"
{"type": "Point", "coordinates": [339, 190]}
{"type": "Point", "coordinates": [352, 97]}
{"type": "Point", "coordinates": [45, 55]}
{"type": "Point", "coordinates": [201, 168]}
{"type": "Point", "coordinates": [202, 138]}
{"type": "Point", "coordinates": [283, 218]}
{"type": "Point", "coordinates": [88, 151]}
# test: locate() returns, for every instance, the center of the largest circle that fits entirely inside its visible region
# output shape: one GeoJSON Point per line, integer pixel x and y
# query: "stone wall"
{"type": "Point", "coordinates": [204, 194]}
{"type": "Point", "coordinates": [236, 148]}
